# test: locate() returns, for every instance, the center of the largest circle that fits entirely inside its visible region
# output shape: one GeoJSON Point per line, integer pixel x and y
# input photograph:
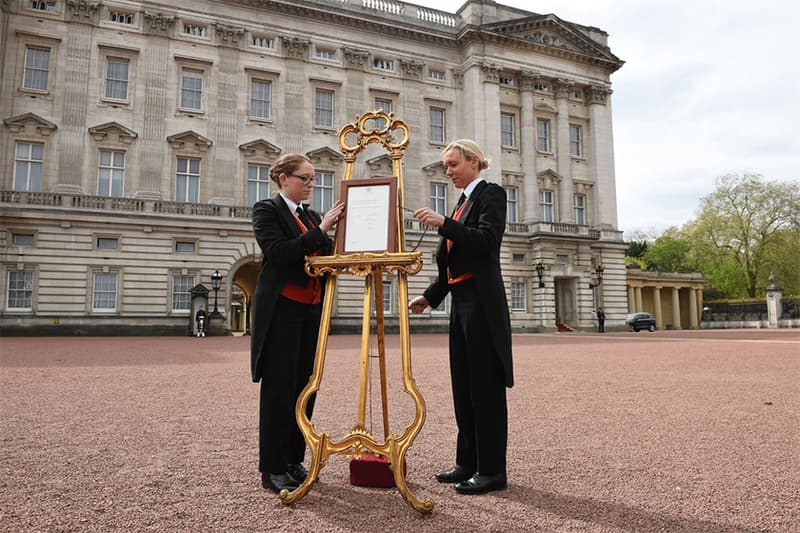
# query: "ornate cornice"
{"type": "Point", "coordinates": [295, 47]}
{"type": "Point", "coordinates": [562, 87]}
{"type": "Point", "coordinates": [124, 134]}
{"type": "Point", "coordinates": [253, 148]}
{"type": "Point", "coordinates": [158, 23]}
{"type": "Point", "coordinates": [189, 139]}
{"type": "Point", "coordinates": [18, 123]}
{"type": "Point", "coordinates": [82, 10]}
{"type": "Point", "coordinates": [355, 57]}
{"type": "Point", "coordinates": [229, 35]}
{"type": "Point", "coordinates": [411, 69]}
{"type": "Point", "coordinates": [491, 72]}
{"type": "Point", "coordinates": [527, 79]}
{"type": "Point", "coordinates": [596, 94]}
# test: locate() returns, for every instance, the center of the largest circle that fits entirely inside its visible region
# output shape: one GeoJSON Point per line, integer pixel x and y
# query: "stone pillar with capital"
{"type": "Point", "coordinates": [565, 196]}
{"type": "Point", "coordinates": [693, 319]}
{"type": "Point", "coordinates": [774, 309]}
{"type": "Point", "coordinates": [676, 308]}
{"type": "Point", "coordinates": [657, 307]}
{"type": "Point", "coordinates": [527, 80]}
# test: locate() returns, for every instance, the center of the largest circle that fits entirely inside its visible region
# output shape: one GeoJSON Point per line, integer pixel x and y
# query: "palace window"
{"type": "Point", "coordinates": [19, 295]}
{"type": "Point", "coordinates": [104, 292]}
{"type": "Point", "coordinates": [28, 166]}
{"type": "Point", "coordinates": [117, 79]}
{"type": "Point", "coordinates": [543, 135]}
{"type": "Point", "coordinates": [260, 41]}
{"type": "Point", "coordinates": [120, 17]}
{"type": "Point", "coordinates": [22, 239]}
{"type": "Point", "coordinates": [187, 180]}
{"type": "Point", "coordinates": [106, 243]}
{"type": "Point", "coordinates": [437, 75]}
{"type": "Point", "coordinates": [507, 130]}
{"type": "Point", "coordinates": [575, 140]}
{"type": "Point", "coordinates": [257, 182]}
{"type": "Point", "coordinates": [383, 64]}
{"type": "Point", "coordinates": [260, 99]}
{"type": "Point", "coordinates": [111, 173]}
{"type": "Point", "coordinates": [438, 199]}
{"type": "Point", "coordinates": [196, 30]}
{"type": "Point", "coordinates": [580, 209]}
{"type": "Point", "coordinates": [323, 108]}
{"type": "Point", "coordinates": [387, 297]}
{"type": "Point", "coordinates": [184, 247]}
{"type": "Point", "coordinates": [37, 68]}
{"type": "Point", "coordinates": [436, 125]}
{"type": "Point", "coordinates": [511, 204]}
{"type": "Point", "coordinates": [182, 292]}
{"type": "Point", "coordinates": [518, 296]}
{"type": "Point", "coordinates": [192, 89]}
{"type": "Point", "coordinates": [323, 191]}
{"type": "Point", "coordinates": [325, 53]}
{"type": "Point", "coordinates": [43, 5]}
{"type": "Point", "coordinates": [546, 206]}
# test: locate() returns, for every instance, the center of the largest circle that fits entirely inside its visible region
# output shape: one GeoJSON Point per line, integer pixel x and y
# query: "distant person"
{"type": "Point", "coordinates": [601, 320]}
{"type": "Point", "coordinates": [468, 259]}
{"type": "Point", "coordinates": [200, 319]}
{"type": "Point", "coordinates": [286, 316]}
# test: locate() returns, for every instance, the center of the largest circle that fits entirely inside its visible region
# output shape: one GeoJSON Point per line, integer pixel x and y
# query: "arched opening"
{"type": "Point", "coordinates": [243, 287]}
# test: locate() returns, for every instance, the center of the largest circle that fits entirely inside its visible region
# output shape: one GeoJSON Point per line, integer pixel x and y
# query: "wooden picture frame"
{"type": "Point", "coordinates": [370, 221]}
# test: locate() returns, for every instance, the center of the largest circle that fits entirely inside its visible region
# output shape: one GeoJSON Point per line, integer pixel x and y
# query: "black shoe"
{"type": "Point", "coordinates": [482, 483]}
{"type": "Point", "coordinates": [298, 472]}
{"type": "Point", "coordinates": [278, 482]}
{"type": "Point", "coordinates": [457, 474]}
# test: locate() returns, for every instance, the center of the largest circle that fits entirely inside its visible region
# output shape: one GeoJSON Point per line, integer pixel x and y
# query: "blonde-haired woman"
{"type": "Point", "coordinates": [468, 260]}
{"type": "Point", "coordinates": [286, 315]}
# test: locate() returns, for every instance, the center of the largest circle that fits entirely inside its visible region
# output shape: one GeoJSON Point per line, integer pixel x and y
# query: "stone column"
{"type": "Point", "coordinates": [299, 103]}
{"type": "Point", "coordinates": [226, 153]}
{"type": "Point", "coordinates": [657, 307]}
{"type": "Point", "coordinates": [490, 122]}
{"type": "Point", "coordinates": [527, 146]}
{"type": "Point", "coordinates": [565, 192]}
{"type": "Point", "coordinates": [693, 323]}
{"type": "Point", "coordinates": [676, 308]}
{"type": "Point", "coordinates": [774, 309]}
{"type": "Point", "coordinates": [601, 156]}
{"type": "Point", "coordinates": [631, 300]}
{"type": "Point", "coordinates": [637, 294]}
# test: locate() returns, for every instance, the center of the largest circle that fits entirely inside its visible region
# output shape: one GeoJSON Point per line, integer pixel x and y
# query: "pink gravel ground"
{"type": "Point", "coordinates": [671, 431]}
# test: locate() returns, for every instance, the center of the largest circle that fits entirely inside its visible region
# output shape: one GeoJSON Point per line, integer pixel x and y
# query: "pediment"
{"type": "Point", "coordinates": [123, 133]}
{"type": "Point", "coordinates": [382, 162]}
{"type": "Point", "coordinates": [325, 156]}
{"type": "Point", "coordinates": [551, 32]}
{"type": "Point", "coordinates": [434, 169]}
{"type": "Point", "coordinates": [544, 106]}
{"type": "Point", "coordinates": [189, 139]}
{"type": "Point", "coordinates": [548, 179]}
{"type": "Point", "coordinates": [260, 147]}
{"type": "Point", "coordinates": [41, 125]}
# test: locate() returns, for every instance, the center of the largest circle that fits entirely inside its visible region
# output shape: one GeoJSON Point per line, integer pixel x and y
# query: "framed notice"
{"type": "Point", "coordinates": [370, 221]}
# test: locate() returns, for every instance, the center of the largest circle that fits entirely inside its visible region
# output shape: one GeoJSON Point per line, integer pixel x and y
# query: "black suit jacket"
{"type": "Point", "coordinates": [284, 247]}
{"type": "Point", "coordinates": [476, 248]}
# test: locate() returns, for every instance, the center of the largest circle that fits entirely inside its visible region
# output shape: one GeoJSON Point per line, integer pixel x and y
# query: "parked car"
{"type": "Point", "coordinates": [637, 321]}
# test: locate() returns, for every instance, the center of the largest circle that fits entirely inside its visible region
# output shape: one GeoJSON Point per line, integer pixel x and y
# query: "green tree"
{"type": "Point", "coordinates": [670, 252]}
{"type": "Point", "coordinates": [743, 225]}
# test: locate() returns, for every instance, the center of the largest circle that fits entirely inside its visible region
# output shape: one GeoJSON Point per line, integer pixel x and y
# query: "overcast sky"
{"type": "Point", "coordinates": [709, 87]}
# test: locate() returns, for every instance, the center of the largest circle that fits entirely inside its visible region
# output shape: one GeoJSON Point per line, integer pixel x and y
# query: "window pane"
{"type": "Point", "coordinates": [507, 129]}
{"type": "Point", "coordinates": [181, 292]}
{"type": "Point", "coordinates": [192, 89]}
{"type": "Point", "coordinates": [261, 94]}
{"type": "Point", "coordinates": [322, 196]}
{"type": "Point", "coordinates": [117, 79]}
{"type": "Point", "coordinates": [438, 198]}
{"type": "Point", "coordinates": [37, 65]}
{"type": "Point", "coordinates": [323, 109]}
{"type": "Point", "coordinates": [20, 290]}
{"type": "Point", "coordinates": [436, 132]}
{"type": "Point", "coordinates": [105, 291]}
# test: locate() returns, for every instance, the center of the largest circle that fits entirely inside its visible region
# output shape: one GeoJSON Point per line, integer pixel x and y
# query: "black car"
{"type": "Point", "coordinates": [637, 321]}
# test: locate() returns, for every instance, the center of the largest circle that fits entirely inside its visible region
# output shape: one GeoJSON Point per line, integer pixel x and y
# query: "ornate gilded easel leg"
{"type": "Point", "coordinates": [319, 453]}
{"type": "Point", "coordinates": [397, 460]}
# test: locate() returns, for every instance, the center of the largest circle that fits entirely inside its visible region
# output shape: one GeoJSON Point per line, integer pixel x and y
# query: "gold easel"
{"type": "Point", "coordinates": [371, 266]}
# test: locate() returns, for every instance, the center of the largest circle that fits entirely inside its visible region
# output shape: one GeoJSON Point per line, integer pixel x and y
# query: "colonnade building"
{"type": "Point", "coordinates": [137, 135]}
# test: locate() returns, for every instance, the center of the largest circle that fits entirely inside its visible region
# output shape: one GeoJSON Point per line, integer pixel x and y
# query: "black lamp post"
{"type": "Point", "coordinates": [599, 272]}
{"type": "Point", "coordinates": [216, 280]}
{"type": "Point", "coordinates": [540, 268]}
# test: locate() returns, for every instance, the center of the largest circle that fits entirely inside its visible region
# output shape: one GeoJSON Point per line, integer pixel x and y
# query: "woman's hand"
{"type": "Point", "coordinates": [331, 217]}
{"type": "Point", "coordinates": [418, 304]}
{"type": "Point", "coordinates": [428, 216]}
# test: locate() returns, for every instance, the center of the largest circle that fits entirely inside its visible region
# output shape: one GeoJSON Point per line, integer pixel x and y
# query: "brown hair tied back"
{"type": "Point", "coordinates": [286, 164]}
{"type": "Point", "coordinates": [470, 149]}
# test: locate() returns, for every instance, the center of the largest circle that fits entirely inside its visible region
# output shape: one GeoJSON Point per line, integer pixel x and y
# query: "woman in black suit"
{"type": "Point", "coordinates": [286, 316]}
{"type": "Point", "coordinates": [468, 261]}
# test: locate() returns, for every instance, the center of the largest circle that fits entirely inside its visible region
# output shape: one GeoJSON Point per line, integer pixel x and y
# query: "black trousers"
{"type": "Point", "coordinates": [479, 390]}
{"type": "Point", "coordinates": [287, 364]}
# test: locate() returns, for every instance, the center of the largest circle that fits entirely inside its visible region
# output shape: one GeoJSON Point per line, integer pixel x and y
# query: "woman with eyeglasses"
{"type": "Point", "coordinates": [286, 315]}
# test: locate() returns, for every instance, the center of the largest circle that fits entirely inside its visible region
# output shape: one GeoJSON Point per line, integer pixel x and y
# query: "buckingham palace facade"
{"type": "Point", "coordinates": [136, 136]}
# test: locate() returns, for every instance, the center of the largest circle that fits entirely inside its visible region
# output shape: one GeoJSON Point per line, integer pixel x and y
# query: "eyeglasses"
{"type": "Point", "coordinates": [304, 179]}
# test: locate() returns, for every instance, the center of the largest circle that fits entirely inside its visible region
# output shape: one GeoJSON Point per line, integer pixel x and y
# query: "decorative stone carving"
{"type": "Point", "coordinates": [596, 94]}
{"type": "Point", "coordinates": [125, 135]}
{"type": "Point", "coordinates": [189, 139]}
{"type": "Point", "coordinates": [546, 39]}
{"type": "Point", "coordinates": [381, 165]}
{"type": "Point", "coordinates": [411, 69]}
{"type": "Point", "coordinates": [260, 148]}
{"type": "Point", "coordinates": [527, 79]}
{"type": "Point", "coordinates": [158, 23]}
{"type": "Point", "coordinates": [563, 87]}
{"type": "Point", "coordinates": [18, 123]}
{"type": "Point", "coordinates": [82, 10]}
{"type": "Point", "coordinates": [295, 47]}
{"type": "Point", "coordinates": [548, 179]}
{"type": "Point", "coordinates": [491, 72]}
{"type": "Point", "coordinates": [434, 170]}
{"type": "Point", "coordinates": [458, 77]}
{"type": "Point", "coordinates": [229, 35]}
{"type": "Point", "coordinates": [355, 57]}
{"type": "Point", "coordinates": [325, 157]}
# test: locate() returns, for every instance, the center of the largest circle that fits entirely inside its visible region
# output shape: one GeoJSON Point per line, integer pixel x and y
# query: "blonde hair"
{"type": "Point", "coordinates": [286, 164]}
{"type": "Point", "coordinates": [470, 150]}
